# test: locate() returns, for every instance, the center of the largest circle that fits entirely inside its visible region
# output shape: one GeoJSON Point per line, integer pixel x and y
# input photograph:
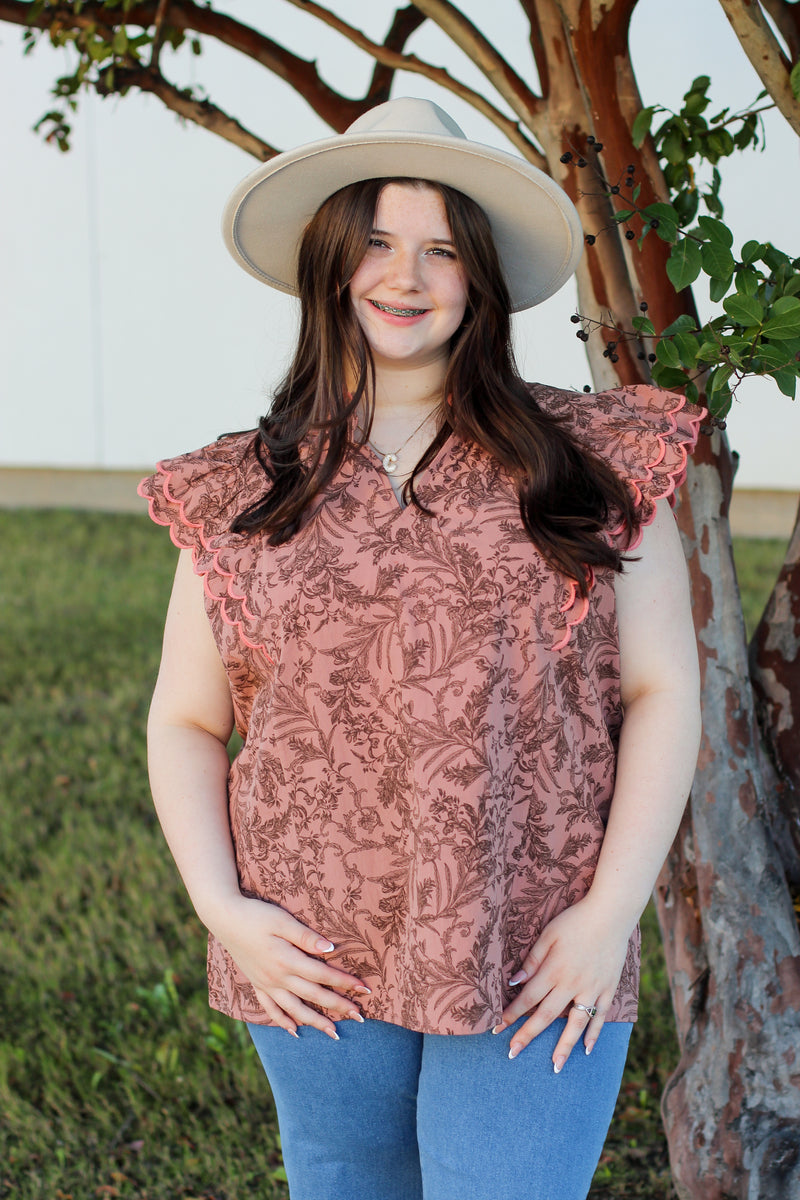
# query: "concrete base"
{"type": "Point", "coordinates": [754, 513]}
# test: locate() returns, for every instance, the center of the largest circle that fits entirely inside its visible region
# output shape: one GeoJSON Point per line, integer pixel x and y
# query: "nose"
{"type": "Point", "coordinates": [403, 271]}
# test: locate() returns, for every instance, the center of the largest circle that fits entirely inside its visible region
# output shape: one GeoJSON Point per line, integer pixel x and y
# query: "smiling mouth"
{"type": "Point", "coordinates": [398, 312]}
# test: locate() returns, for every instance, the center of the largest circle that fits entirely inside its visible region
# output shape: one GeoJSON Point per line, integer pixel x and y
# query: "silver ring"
{"type": "Point", "coordinates": [589, 1009]}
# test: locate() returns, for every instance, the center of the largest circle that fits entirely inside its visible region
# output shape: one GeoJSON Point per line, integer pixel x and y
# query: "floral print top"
{"type": "Point", "coordinates": [430, 714]}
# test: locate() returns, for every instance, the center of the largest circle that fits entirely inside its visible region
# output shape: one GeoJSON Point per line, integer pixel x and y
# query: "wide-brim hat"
{"type": "Point", "coordinates": [536, 228]}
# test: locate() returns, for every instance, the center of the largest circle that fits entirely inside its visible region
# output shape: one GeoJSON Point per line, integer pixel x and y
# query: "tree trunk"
{"type": "Point", "coordinates": [732, 1108]}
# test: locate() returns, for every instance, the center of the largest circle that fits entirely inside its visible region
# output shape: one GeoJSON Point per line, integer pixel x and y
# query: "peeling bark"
{"type": "Point", "coordinates": [775, 672]}
{"type": "Point", "coordinates": [732, 1107]}
{"type": "Point", "coordinates": [763, 49]}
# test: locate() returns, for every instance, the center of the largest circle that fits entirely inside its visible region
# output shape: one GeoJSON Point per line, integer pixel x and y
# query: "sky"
{"type": "Point", "coordinates": [128, 334]}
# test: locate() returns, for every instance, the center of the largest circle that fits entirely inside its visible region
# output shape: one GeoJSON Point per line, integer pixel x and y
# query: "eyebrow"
{"type": "Point", "coordinates": [439, 241]}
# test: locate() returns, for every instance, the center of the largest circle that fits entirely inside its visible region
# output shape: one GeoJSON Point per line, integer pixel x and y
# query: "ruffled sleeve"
{"type": "Point", "coordinates": [645, 433]}
{"type": "Point", "coordinates": [198, 495]}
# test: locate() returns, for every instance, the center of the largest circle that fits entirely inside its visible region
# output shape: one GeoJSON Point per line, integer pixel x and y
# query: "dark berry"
{"type": "Point", "coordinates": [575, 319]}
{"type": "Point", "coordinates": [614, 357]}
{"type": "Point", "coordinates": [651, 358]}
{"type": "Point", "coordinates": [641, 355]}
{"type": "Point", "coordinates": [587, 387]}
{"type": "Point", "coordinates": [565, 158]}
{"type": "Point", "coordinates": [581, 162]}
{"type": "Point", "coordinates": [598, 145]}
{"type": "Point", "coordinates": [644, 306]}
{"type": "Point", "coordinates": [654, 224]}
{"type": "Point", "coordinates": [722, 424]}
{"type": "Point", "coordinates": [630, 235]}
{"type": "Point", "coordinates": [631, 168]}
{"type": "Point", "coordinates": [615, 190]}
{"type": "Point", "coordinates": [590, 239]}
{"type": "Point", "coordinates": [725, 349]}
{"type": "Point", "coordinates": [590, 139]}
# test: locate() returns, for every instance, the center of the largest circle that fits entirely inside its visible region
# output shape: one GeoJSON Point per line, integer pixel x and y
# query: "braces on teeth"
{"type": "Point", "coordinates": [398, 312]}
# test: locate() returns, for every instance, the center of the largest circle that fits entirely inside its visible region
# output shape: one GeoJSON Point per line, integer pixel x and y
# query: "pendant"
{"type": "Point", "coordinates": [390, 463]}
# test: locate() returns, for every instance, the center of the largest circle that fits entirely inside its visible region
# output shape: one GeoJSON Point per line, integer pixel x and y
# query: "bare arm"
{"type": "Point", "coordinates": [191, 719]}
{"type": "Point", "coordinates": [580, 954]}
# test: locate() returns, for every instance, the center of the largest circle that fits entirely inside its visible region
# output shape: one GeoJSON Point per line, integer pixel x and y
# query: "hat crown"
{"type": "Point", "coordinates": [407, 115]}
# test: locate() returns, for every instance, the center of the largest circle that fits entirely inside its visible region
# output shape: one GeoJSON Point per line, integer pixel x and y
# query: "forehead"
{"type": "Point", "coordinates": [402, 204]}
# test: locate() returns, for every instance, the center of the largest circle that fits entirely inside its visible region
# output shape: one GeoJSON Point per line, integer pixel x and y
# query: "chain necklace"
{"type": "Point", "coordinates": [389, 458]}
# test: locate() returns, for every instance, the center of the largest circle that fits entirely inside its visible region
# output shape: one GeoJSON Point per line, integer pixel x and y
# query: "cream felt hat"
{"type": "Point", "coordinates": [535, 225]}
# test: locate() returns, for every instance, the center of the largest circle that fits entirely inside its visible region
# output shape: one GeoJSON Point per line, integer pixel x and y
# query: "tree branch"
{"type": "Point", "coordinates": [200, 112]}
{"type": "Point", "coordinates": [158, 39]}
{"type": "Point", "coordinates": [787, 19]}
{"type": "Point", "coordinates": [417, 66]}
{"type": "Point", "coordinates": [506, 82]}
{"type": "Point", "coordinates": [763, 49]}
{"type": "Point", "coordinates": [406, 21]}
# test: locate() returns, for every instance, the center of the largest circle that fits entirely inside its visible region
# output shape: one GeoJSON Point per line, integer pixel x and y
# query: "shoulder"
{"type": "Point", "coordinates": [643, 432]}
{"type": "Point", "coordinates": [203, 490]}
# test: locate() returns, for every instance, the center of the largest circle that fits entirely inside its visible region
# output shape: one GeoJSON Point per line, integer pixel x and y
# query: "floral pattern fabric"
{"type": "Point", "coordinates": [430, 715]}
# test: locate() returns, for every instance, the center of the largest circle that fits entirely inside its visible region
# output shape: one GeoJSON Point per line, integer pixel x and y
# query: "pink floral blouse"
{"type": "Point", "coordinates": [430, 716]}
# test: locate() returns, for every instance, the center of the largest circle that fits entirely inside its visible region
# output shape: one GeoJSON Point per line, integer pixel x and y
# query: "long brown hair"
{"type": "Point", "coordinates": [566, 494]}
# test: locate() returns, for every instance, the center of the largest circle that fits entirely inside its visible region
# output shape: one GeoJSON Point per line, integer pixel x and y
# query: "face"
{"type": "Point", "coordinates": [409, 292]}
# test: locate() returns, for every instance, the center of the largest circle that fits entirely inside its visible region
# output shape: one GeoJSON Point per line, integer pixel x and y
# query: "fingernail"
{"type": "Point", "coordinates": [363, 989]}
{"type": "Point", "coordinates": [520, 977]}
{"type": "Point", "coordinates": [333, 1034]}
{"type": "Point", "coordinates": [293, 1032]}
{"type": "Point", "coordinates": [588, 1049]}
{"type": "Point", "coordinates": [514, 1051]}
{"type": "Point", "coordinates": [499, 1028]}
{"type": "Point", "coordinates": [558, 1063]}
{"type": "Point", "coordinates": [324, 946]}
{"type": "Point", "coordinates": [356, 1016]}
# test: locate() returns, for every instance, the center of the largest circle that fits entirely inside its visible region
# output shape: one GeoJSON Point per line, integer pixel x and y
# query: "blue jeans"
{"type": "Point", "coordinates": [389, 1114]}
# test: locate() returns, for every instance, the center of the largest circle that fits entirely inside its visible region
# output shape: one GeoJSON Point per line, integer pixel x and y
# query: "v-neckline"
{"type": "Point", "coordinates": [375, 460]}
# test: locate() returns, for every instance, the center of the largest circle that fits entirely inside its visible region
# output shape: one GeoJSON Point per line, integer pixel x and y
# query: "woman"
{"type": "Point", "coordinates": [469, 713]}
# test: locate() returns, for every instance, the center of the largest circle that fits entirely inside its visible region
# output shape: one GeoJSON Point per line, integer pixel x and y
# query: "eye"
{"type": "Point", "coordinates": [375, 241]}
{"type": "Point", "coordinates": [441, 252]}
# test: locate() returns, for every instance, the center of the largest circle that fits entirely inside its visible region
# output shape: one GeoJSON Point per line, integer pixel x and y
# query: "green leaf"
{"type": "Point", "coordinates": [641, 125]}
{"type": "Point", "coordinates": [716, 231]}
{"type": "Point", "coordinates": [687, 347]}
{"type": "Point", "coordinates": [747, 281]}
{"type": "Point", "coordinates": [745, 310]}
{"type": "Point", "coordinates": [637, 191]}
{"type": "Point", "coordinates": [717, 260]}
{"type": "Point", "coordinates": [719, 288]}
{"type": "Point", "coordinates": [683, 324]}
{"type": "Point", "coordinates": [119, 43]}
{"type": "Point", "coordinates": [794, 82]}
{"type": "Point", "coordinates": [644, 325]}
{"type": "Point", "coordinates": [777, 357]}
{"type": "Point", "coordinates": [673, 147]}
{"type": "Point", "coordinates": [691, 393]}
{"type": "Point", "coordinates": [786, 381]}
{"type": "Point", "coordinates": [751, 251]}
{"type": "Point", "coordinates": [709, 352]}
{"type": "Point", "coordinates": [718, 393]}
{"type": "Point", "coordinates": [684, 263]}
{"type": "Point", "coordinates": [624, 214]}
{"type": "Point", "coordinates": [783, 325]}
{"type": "Point", "coordinates": [667, 353]}
{"type": "Point", "coordinates": [668, 377]}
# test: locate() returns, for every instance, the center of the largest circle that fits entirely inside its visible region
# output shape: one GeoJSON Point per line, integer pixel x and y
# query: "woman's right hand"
{"type": "Point", "coordinates": [280, 957]}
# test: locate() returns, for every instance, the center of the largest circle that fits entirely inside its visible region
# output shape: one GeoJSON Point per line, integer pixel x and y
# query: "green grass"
{"type": "Point", "coordinates": [116, 1080]}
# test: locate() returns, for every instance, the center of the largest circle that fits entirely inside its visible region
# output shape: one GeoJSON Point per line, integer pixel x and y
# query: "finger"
{"type": "Point", "coordinates": [292, 960]}
{"type": "Point", "coordinates": [545, 1014]}
{"type": "Point", "coordinates": [577, 1023]}
{"type": "Point", "coordinates": [313, 943]}
{"type": "Point", "coordinates": [301, 1014]}
{"type": "Point", "coordinates": [276, 1014]}
{"type": "Point", "coordinates": [596, 1024]}
{"type": "Point", "coordinates": [529, 966]}
{"type": "Point", "coordinates": [531, 995]}
{"type": "Point", "coordinates": [312, 993]}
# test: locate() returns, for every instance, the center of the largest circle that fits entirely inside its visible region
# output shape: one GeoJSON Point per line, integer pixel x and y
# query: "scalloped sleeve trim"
{"type": "Point", "coordinates": [646, 435]}
{"type": "Point", "coordinates": [197, 496]}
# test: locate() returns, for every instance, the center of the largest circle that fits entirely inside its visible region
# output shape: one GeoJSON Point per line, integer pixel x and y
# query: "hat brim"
{"type": "Point", "coordinates": [535, 225]}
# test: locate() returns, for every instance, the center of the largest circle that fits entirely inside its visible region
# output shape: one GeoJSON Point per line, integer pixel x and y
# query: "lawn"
{"type": "Point", "coordinates": [116, 1080]}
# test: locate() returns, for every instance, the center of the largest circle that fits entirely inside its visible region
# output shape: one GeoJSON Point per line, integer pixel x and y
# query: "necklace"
{"type": "Point", "coordinates": [389, 457]}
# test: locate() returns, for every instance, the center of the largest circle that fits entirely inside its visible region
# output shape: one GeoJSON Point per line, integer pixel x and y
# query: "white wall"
{"type": "Point", "coordinates": [126, 332]}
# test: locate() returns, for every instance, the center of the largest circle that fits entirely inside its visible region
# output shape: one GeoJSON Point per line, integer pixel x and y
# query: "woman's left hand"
{"type": "Point", "coordinates": [577, 960]}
